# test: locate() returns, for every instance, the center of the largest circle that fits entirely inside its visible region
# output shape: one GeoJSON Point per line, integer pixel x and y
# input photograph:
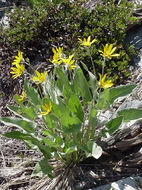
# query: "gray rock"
{"type": "Point", "coordinates": [130, 104]}
{"type": "Point", "coordinates": [130, 183]}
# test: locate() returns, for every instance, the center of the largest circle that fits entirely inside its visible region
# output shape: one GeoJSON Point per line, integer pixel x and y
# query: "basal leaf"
{"type": "Point", "coordinates": [26, 112]}
{"type": "Point", "coordinates": [103, 102]}
{"type": "Point", "coordinates": [108, 96]}
{"type": "Point", "coordinates": [120, 91]}
{"type": "Point", "coordinates": [130, 114]}
{"type": "Point", "coordinates": [114, 124]}
{"type": "Point", "coordinates": [42, 168]}
{"type": "Point", "coordinates": [32, 94]}
{"type": "Point", "coordinates": [76, 107]}
{"type": "Point", "coordinates": [81, 87]}
{"type": "Point", "coordinates": [23, 124]}
{"type": "Point", "coordinates": [95, 150]}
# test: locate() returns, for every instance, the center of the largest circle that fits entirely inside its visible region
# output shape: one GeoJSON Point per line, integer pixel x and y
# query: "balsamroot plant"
{"type": "Point", "coordinates": [59, 116]}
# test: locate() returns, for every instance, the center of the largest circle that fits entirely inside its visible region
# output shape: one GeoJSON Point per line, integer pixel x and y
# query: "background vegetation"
{"type": "Point", "coordinates": [40, 25]}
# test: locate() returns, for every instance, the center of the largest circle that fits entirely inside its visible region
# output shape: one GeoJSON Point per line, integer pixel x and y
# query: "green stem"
{"type": "Point", "coordinates": [88, 132]}
{"type": "Point", "coordinates": [40, 91]}
{"type": "Point", "coordinates": [103, 65]}
{"type": "Point", "coordinates": [88, 50]}
{"type": "Point", "coordinates": [29, 66]}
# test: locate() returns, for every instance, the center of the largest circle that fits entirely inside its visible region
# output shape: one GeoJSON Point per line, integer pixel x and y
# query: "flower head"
{"type": "Point", "coordinates": [105, 84]}
{"type": "Point", "coordinates": [17, 70]}
{"type": "Point", "coordinates": [108, 51]}
{"type": "Point", "coordinates": [47, 108]}
{"type": "Point", "coordinates": [57, 56]}
{"type": "Point", "coordinates": [69, 62]}
{"type": "Point", "coordinates": [87, 42]}
{"type": "Point", "coordinates": [22, 96]}
{"type": "Point", "coordinates": [18, 58]}
{"type": "Point", "coordinates": [40, 77]}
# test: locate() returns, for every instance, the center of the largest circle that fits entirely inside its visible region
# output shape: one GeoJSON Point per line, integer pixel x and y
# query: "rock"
{"type": "Point", "coordinates": [130, 104]}
{"type": "Point", "coordinates": [130, 183]}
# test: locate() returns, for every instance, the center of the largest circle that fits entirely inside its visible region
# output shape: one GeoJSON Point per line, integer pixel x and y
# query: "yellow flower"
{"type": "Point", "coordinates": [39, 78]}
{"type": "Point", "coordinates": [69, 62]}
{"type": "Point", "coordinates": [105, 84]}
{"type": "Point", "coordinates": [18, 58]}
{"type": "Point", "coordinates": [47, 108]}
{"type": "Point", "coordinates": [22, 96]}
{"type": "Point", "coordinates": [57, 56]}
{"type": "Point", "coordinates": [17, 70]}
{"type": "Point", "coordinates": [108, 51]}
{"type": "Point", "coordinates": [86, 42]}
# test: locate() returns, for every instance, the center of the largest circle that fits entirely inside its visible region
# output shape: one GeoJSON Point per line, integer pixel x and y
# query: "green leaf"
{"type": "Point", "coordinates": [51, 121]}
{"type": "Point", "coordinates": [70, 123]}
{"type": "Point", "coordinates": [50, 88]}
{"type": "Point", "coordinates": [114, 124]}
{"type": "Point", "coordinates": [31, 140]}
{"type": "Point", "coordinates": [23, 124]}
{"type": "Point", "coordinates": [32, 94]}
{"type": "Point", "coordinates": [75, 106]}
{"type": "Point", "coordinates": [56, 109]}
{"type": "Point", "coordinates": [93, 83]}
{"type": "Point", "coordinates": [120, 91]}
{"type": "Point", "coordinates": [130, 114]}
{"type": "Point", "coordinates": [27, 113]}
{"type": "Point", "coordinates": [96, 151]}
{"type": "Point", "coordinates": [42, 168]}
{"type": "Point", "coordinates": [63, 84]}
{"type": "Point", "coordinates": [81, 87]}
{"type": "Point", "coordinates": [17, 135]}
{"type": "Point", "coordinates": [103, 102]}
{"type": "Point", "coordinates": [50, 143]}
{"type": "Point", "coordinates": [93, 117]}
{"type": "Point", "coordinates": [59, 140]}
{"type": "Point", "coordinates": [48, 121]}
{"type": "Point", "coordinates": [71, 150]}
{"type": "Point", "coordinates": [108, 96]}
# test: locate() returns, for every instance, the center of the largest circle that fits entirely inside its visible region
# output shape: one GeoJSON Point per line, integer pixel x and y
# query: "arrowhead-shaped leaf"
{"type": "Point", "coordinates": [23, 124]}
{"type": "Point", "coordinates": [108, 96]}
{"type": "Point", "coordinates": [76, 107]}
{"type": "Point", "coordinates": [42, 168]}
{"type": "Point", "coordinates": [130, 114]}
{"type": "Point", "coordinates": [114, 124]}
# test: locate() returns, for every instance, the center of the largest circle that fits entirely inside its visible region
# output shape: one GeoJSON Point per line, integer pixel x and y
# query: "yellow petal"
{"type": "Point", "coordinates": [108, 84]}
{"type": "Point", "coordinates": [110, 48]}
{"type": "Point", "coordinates": [113, 50]}
{"type": "Point", "coordinates": [115, 55]}
{"type": "Point", "coordinates": [94, 41]}
{"type": "Point", "coordinates": [103, 78]}
{"type": "Point", "coordinates": [106, 48]}
{"type": "Point", "coordinates": [89, 38]}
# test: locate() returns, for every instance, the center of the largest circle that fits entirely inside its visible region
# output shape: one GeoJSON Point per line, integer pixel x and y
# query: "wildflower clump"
{"type": "Point", "coordinates": [61, 116]}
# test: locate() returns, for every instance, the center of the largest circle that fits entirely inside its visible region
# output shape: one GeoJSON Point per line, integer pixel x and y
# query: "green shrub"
{"type": "Point", "coordinates": [62, 22]}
